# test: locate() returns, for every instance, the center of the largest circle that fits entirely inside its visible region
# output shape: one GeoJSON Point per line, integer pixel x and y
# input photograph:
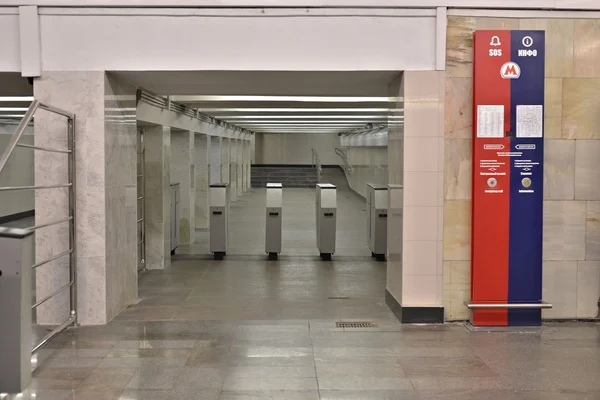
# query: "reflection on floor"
{"type": "Point", "coordinates": [250, 329]}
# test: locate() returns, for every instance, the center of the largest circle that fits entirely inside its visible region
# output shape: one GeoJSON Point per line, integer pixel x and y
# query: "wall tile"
{"type": "Point", "coordinates": [581, 102]}
{"type": "Point", "coordinates": [423, 86]}
{"type": "Point", "coordinates": [457, 169]}
{"type": "Point", "coordinates": [553, 108]}
{"type": "Point", "coordinates": [421, 154]}
{"type": "Point", "coordinates": [592, 232]}
{"type": "Point", "coordinates": [421, 189]}
{"type": "Point", "coordinates": [559, 44]}
{"type": "Point", "coordinates": [560, 288]}
{"type": "Point", "coordinates": [457, 288]}
{"type": "Point", "coordinates": [459, 108]}
{"type": "Point", "coordinates": [497, 23]}
{"type": "Point", "coordinates": [459, 46]}
{"type": "Point", "coordinates": [588, 289]}
{"type": "Point", "coordinates": [419, 258]}
{"type": "Point", "coordinates": [421, 119]}
{"type": "Point", "coordinates": [419, 290]}
{"type": "Point", "coordinates": [420, 223]}
{"type": "Point", "coordinates": [457, 230]}
{"type": "Point", "coordinates": [564, 230]}
{"type": "Point", "coordinates": [587, 170]}
{"type": "Point", "coordinates": [559, 169]}
{"type": "Point", "coordinates": [586, 55]}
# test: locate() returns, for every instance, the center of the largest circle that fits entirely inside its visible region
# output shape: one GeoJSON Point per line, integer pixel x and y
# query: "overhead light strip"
{"type": "Point", "coordinates": [15, 98]}
{"type": "Point", "coordinates": [277, 109]}
{"type": "Point", "coordinates": [312, 99]}
{"type": "Point", "coordinates": [228, 117]}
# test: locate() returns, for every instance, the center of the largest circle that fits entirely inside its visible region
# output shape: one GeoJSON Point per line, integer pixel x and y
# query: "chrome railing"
{"type": "Point", "coordinates": [70, 219]}
{"type": "Point", "coordinates": [316, 163]}
{"type": "Point", "coordinates": [345, 161]}
{"type": "Point", "coordinates": [166, 103]}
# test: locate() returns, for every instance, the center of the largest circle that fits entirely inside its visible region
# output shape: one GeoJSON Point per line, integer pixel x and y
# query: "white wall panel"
{"type": "Point", "coordinates": [150, 42]}
{"type": "Point", "coordinates": [10, 55]}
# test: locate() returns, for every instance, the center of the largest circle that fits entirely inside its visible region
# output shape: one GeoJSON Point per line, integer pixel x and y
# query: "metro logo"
{"type": "Point", "coordinates": [510, 70]}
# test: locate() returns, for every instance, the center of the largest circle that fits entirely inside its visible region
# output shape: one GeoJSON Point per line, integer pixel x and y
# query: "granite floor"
{"type": "Point", "coordinates": [250, 329]}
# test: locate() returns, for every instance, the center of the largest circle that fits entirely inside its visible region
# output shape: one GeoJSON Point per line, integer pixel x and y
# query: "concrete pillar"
{"type": "Point", "coordinates": [201, 156]}
{"type": "Point", "coordinates": [158, 197]}
{"type": "Point", "coordinates": [233, 162]}
{"type": "Point", "coordinates": [214, 144]}
{"type": "Point", "coordinates": [239, 146]}
{"type": "Point", "coordinates": [415, 156]}
{"type": "Point", "coordinates": [182, 172]}
{"type": "Point", "coordinates": [248, 164]}
{"type": "Point", "coordinates": [105, 191]}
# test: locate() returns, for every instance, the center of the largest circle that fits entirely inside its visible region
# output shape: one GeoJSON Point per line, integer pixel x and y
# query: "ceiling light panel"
{"type": "Point", "coordinates": [315, 99]}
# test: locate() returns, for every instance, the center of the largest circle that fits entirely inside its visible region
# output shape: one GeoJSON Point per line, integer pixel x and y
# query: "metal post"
{"type": "Point", "coordinates": [72, 194]}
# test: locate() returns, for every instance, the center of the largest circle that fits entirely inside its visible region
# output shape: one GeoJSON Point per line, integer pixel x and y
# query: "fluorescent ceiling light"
{"type": "Point", "coordinates": [314, 99]}
{"type": "Point", "coordinates": [277, 109]}
{"type": "Point", "coordinates": [12, 115]}
{"type": "Point", "coordinates": [227, 117]}
{"type": "Point", "coordinates": [16, 98]}
{"type": "Point", "coordinates": [13, 109]}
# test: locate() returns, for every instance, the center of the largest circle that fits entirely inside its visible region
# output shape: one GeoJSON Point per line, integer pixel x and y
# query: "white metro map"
{"type": "Point", "coordinates": [530, 121]}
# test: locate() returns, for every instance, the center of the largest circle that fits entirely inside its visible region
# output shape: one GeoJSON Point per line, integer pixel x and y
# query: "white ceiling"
{"type": "Point", "coordinates": [278, 102]}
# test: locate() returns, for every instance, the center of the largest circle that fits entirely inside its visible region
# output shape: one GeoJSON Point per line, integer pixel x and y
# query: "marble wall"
{"type": "Point", "coordinates": [201, 155]}
{"type": "Point", "coordinates": [183, 172]}
{"type": "Point", "coordinates": [233, 162]}
{"type": "Point", "coordinates": [368, 165]}
{"type": "Point", "coordinates": [105, 193]}
{"type": "Point", "coordinates": [157, 141]}
{"type": "Point", "coordinates": [215, 143]}
{"type": "Point", "coordinates": [572, 166]}
{"type": "Point", "coordinates": [120, 145]}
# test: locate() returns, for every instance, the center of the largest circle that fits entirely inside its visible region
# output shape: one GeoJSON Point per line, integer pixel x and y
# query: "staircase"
{"type": "Point", "coordinates": [299, 176]}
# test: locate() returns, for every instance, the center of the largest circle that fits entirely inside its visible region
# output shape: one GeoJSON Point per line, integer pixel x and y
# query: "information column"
{"type": "Point", "coordinates": [508, 109]}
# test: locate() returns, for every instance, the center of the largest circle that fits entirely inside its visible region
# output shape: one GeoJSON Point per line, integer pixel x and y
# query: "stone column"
{"type": "Point", "coordinates": [214, 144]}
{"type": "Point", "coordinates": [201, 156]}
{"type": "Point", "coordinates": [233, 162]}
{"type": "Point", "coordinates": [415, 156]}
{"type": "Point", "coordinates": [105, 191]}
{"type": "Point", "coordinates": [239, 146]}
{"type": "Point", "coordinates": [248, 163]}
{"type": "Point", "coordinates": [158, 197]}
{"type": "Point", "coordinates": [182, 172]}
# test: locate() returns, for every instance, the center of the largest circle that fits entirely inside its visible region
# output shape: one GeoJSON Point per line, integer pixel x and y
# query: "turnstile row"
{"type": "Point", "coordinates": [326, 219]}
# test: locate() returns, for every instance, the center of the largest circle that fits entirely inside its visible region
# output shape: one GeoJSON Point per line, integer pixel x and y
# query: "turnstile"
{"type": "Point", "coordinates": [219, 219]}
{"type": "Point", "coordinates": [175, 207]}
{"type": "Point", "coordinates": [273, 229]}
{"type": "Point", "coordinates": [326, 219]}
{"type": "Point", "coordinates": [377, 205]}
{"type": "Point", "coordinates": [16, 247]}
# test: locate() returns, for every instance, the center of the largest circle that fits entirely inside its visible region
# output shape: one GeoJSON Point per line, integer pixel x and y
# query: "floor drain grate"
{"type": "Point", "coordinates": [338, 298]}
{"type": "Point", "coordinates": [355, 325]}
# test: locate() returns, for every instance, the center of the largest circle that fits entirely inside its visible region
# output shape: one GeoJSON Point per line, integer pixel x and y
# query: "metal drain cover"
{"type": "Point", "coordinates": [341, 324]}
{"type": "Point", "coordinates": [338, 298]}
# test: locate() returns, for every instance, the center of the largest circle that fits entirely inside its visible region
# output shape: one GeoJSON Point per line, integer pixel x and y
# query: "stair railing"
{"type": "Point", "coordinates": [70, 219]}
{"type": "Point", "coordinates": [345, 161]}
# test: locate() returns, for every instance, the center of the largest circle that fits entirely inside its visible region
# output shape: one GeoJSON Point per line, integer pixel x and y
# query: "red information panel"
{"type": "Point", "coordinates": [508, 101]}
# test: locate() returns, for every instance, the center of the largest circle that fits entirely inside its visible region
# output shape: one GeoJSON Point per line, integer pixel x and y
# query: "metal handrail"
{"type": "Point", "coordinates": [541, 304]}
{"type": "Point", "coordinates": [70, 152]}
{"type": "Point", "coordinates": [344, 156]}
{"type": "Point", "coordinates": [168, 104]}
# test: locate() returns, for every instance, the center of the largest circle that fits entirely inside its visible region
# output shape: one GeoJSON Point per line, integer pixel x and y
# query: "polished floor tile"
{"type": "Point", "coordinates": [249, 329]}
